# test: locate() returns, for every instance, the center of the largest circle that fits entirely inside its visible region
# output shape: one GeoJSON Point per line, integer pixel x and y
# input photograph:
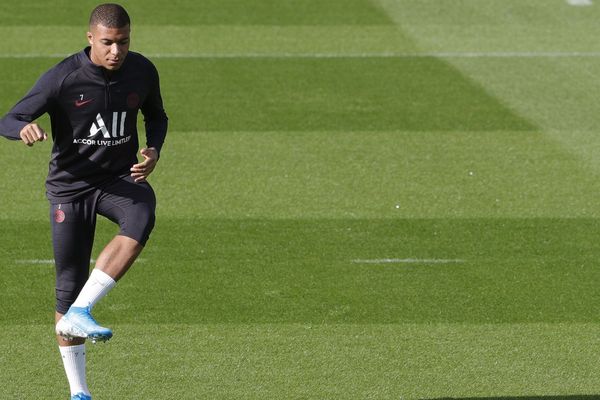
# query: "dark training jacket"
{"type": "Point", "coordinates": [93, 117]}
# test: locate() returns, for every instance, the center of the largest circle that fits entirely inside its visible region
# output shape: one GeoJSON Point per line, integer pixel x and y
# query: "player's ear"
{"type": "Point", "coordinates": [89, 37]}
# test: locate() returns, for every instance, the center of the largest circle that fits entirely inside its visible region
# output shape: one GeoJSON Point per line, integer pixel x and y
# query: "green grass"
{"type": "Point", "coordinates": [207, 12]}
{"type": "Point", "coordinates": [374, 361]}
{"type": "Point", "coordinates": [340, 95]}
{"type": "Point", "coordinates": [305, 271]}
{"type": "Point", "coordinates": [299, 145]}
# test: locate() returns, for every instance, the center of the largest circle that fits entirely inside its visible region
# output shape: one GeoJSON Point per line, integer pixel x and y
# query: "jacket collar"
{"type": "Point", "coordinates": [86, 61]}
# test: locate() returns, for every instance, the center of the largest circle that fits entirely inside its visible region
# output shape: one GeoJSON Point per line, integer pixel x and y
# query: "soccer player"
{"type": "Point", "coordinates": [93, 98]}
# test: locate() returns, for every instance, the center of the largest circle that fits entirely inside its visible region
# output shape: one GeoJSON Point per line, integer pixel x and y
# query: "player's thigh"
{"type": "Point", "coordinates": [131, 205]}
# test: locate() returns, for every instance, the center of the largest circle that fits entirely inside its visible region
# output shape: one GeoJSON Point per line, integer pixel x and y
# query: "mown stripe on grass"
{"type": "Point", "coordinates": [216, 39]}
{"type": "Point", "coordinates": [284, 55]}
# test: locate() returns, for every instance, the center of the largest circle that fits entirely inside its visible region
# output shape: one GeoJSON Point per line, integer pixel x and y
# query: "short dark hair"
{"type": "Point", "coordinates": [110, 15]}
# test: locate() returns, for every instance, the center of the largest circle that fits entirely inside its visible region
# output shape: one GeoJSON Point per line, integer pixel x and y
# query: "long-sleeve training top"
{"type": "Point", "coordinates": [93, 117]}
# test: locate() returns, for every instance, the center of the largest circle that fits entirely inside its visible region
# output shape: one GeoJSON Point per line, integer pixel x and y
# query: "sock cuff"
{"type": "Point", "coordinates": [97, 286]}
{"type": "Point", "coordinates": [64, 350]}
{"type": "Point", "coordinates": [102, 278]}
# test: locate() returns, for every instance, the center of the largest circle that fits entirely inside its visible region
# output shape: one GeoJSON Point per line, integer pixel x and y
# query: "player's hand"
{"type": "Point", "coordinates": [32, 133]}
{"type": "Point", "coordinates": [139, 172]}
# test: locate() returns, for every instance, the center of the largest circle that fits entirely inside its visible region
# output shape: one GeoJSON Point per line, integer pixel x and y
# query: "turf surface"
{"type": "Point", "coordinates": [384, 199]}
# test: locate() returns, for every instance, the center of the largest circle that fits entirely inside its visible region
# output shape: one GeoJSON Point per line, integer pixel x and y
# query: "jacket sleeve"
{"type": "Point", "coordinates": [29, 108]}
{"type": "Point", "coordinates": [155, 118]}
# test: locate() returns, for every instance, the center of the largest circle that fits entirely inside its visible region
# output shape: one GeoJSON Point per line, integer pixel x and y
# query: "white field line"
{"type": "Point", "coordinates": [41, 261]}
{"type": "Point", "coordinates": [35, 261]}
{"type": "Point", "coordinates": [440, 54]}
{"type": "Point", "coordinates": [580, 2]}
{"type": "Point", "coordinates": [384, 55]}
{"type": "Point", "coordinates": [409, 261]}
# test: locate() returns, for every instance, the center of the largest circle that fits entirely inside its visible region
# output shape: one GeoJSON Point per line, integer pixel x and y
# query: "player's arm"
{"type": "Point", "coordinates": [155, 118]}
{"type": "Point", "coordinates": [156, 123]}
{"type": "Point", "coordinates": [18, 123]}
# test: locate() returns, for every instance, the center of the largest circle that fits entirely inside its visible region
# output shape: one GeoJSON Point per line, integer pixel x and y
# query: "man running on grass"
{"type": "Point", "coordinates": [93, 98]}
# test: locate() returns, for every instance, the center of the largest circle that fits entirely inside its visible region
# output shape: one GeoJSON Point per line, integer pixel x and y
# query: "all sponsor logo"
{"type": "Point", "coordinates": [102, 134]}
{"type": "Point", "coordinates": [118, 129]}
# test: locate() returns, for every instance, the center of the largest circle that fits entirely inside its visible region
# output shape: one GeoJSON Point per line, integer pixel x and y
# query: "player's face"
{"type": "Point", "coordinates": [109, 46]}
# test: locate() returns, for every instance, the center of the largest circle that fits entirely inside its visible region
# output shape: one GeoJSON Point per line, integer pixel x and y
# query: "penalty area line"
{"type": "Point", "coordinates": [409, 261]}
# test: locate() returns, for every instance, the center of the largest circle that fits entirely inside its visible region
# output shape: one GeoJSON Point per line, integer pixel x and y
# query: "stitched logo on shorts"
{"type": "Point", "coordinates": [59, 216]}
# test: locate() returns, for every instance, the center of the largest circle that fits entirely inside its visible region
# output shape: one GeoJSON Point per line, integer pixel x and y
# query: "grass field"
{"type": "Point", "coordinates": [358, 199]}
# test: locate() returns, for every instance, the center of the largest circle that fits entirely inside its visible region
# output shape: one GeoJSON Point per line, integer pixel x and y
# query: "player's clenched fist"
{"type": "Point", "coordinates": [32, 133]}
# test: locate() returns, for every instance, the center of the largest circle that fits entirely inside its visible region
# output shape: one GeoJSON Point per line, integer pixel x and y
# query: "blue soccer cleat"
{"type": "Point", "coordinates": [79, 323]}
{"type": "Point", "coordinates": [81, 396]}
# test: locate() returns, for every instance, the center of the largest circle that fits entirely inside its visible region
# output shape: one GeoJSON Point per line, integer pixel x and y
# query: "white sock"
{"type": "Point", "coordinates": [96, 287]}
{"type": "Point", "coordinates": [74, 362]}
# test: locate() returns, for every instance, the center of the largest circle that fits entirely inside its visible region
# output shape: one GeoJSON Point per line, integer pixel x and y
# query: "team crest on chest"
{"type": "Point", "coordinates": [133, 100]}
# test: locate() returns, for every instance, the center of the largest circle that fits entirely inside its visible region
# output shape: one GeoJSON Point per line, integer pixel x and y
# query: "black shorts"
{"type": "Point", "coordinates": [131, 205]}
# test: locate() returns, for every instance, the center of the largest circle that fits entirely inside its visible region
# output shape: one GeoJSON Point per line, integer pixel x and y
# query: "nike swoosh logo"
{"type": "Point", "coordinates": [79, 103]}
